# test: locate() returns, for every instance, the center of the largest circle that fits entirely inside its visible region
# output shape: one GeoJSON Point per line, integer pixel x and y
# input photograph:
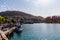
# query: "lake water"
{"type": "Point", "coordinates": [38, 31]}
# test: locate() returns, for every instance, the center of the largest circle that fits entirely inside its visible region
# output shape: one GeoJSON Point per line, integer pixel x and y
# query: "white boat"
{"type": "Point", "coordinates": [20, 29]}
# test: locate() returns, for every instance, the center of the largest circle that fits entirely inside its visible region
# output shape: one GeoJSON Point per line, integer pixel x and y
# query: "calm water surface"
{"type": "Point", "coordinates": [38, 31]}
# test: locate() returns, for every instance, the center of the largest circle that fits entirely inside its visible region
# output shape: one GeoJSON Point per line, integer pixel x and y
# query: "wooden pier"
{"type": "Point", "coordinates": [8, 32]}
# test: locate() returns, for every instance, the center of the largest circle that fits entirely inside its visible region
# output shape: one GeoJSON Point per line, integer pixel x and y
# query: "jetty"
{"type": "Point", "coordinates": [7, 32]}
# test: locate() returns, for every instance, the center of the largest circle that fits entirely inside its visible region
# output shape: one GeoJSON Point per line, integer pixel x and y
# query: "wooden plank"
{"type": "Point", "coordinates": [3, 35]}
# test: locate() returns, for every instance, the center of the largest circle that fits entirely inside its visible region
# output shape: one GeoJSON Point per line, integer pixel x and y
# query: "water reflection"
{"type": "Point", "coordinates": [10, 36]}
{"type": "Point", "coordinates": [18, 33]}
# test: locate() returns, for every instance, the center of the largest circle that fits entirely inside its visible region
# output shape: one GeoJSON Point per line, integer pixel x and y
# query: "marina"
{"type": "Point", "coordinates": [4, 30]}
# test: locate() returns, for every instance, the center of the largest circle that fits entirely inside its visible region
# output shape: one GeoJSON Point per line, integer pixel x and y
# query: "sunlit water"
{"type": "Point", "coordinates": [39, 31]}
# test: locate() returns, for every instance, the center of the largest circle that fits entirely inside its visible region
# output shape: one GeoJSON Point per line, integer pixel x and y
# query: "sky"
{"type": "Point", "coordinates": [42, 8]}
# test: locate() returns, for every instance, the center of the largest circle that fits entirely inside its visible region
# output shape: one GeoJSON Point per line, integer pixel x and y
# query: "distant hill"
{"type": "Point", "coordinates": [14, 13]}
{"type": "Point", "coordinates": [23, 15]}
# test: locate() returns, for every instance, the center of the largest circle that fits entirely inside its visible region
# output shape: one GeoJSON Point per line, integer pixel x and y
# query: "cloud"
{"type": "Point", "coordinates": [41, 2]}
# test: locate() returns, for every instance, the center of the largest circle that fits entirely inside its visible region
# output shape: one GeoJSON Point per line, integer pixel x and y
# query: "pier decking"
{"type": "Point", "coordinates": [4, 33]}
{"type": "Point", "coordinates": [10, 30]}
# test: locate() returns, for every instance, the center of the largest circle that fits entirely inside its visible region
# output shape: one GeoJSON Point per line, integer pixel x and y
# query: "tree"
{"type": "Point", "coordinates": [3, 20]}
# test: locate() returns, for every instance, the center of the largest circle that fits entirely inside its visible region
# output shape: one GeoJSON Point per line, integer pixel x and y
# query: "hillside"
{"type": "Point", "coordinates": [14, 13]}
{"type": "Point", "coordinates": [25, 16]}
